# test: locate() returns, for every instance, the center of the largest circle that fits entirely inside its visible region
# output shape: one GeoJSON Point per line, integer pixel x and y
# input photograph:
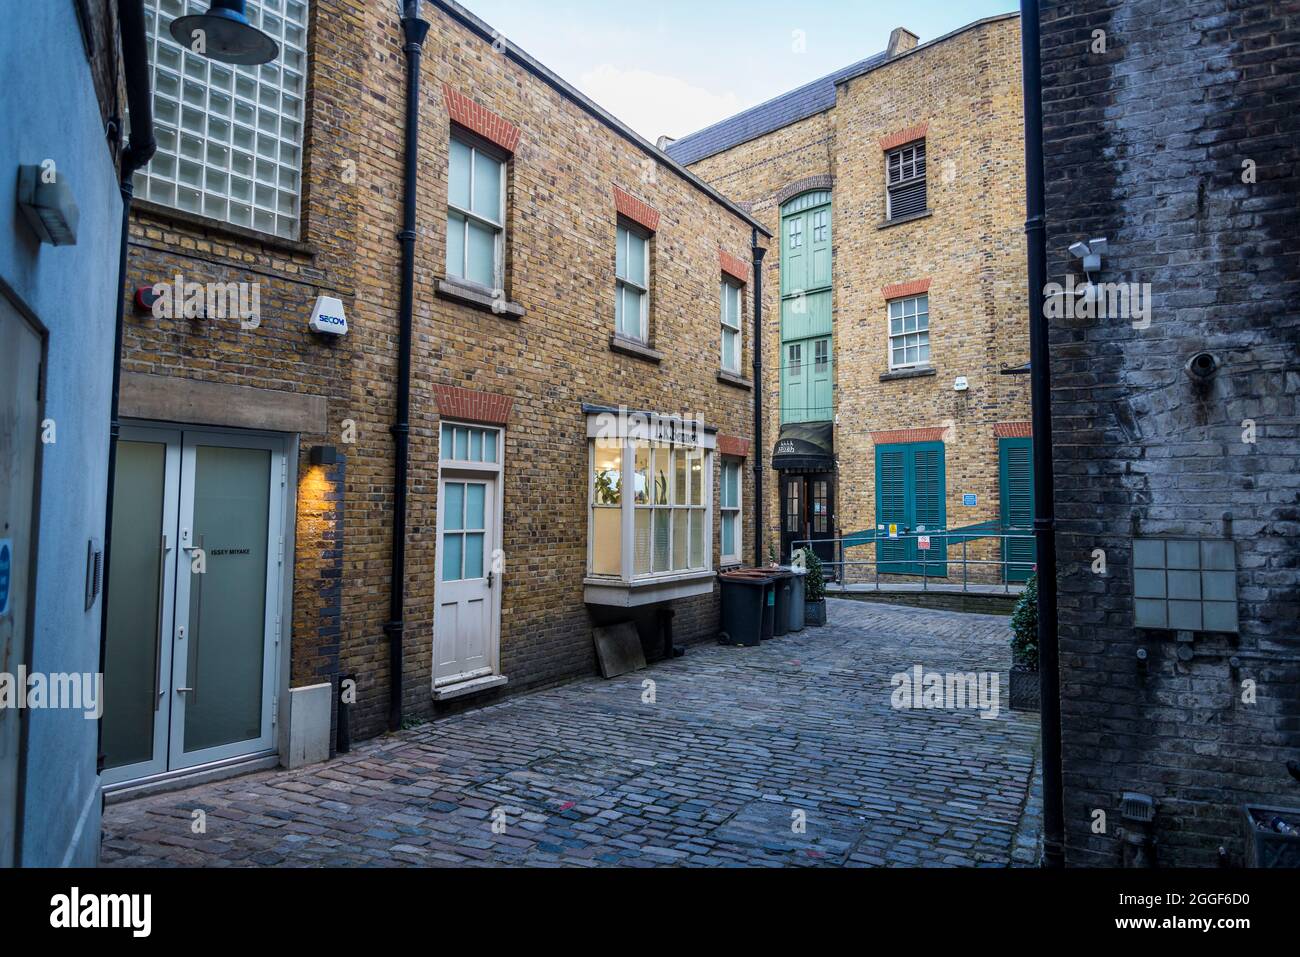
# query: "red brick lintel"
{"type": "Point", "coordinates": [734, 266]}
{"type": "Point", "coordinates": [895, 436]}
{"type": "Point", "coordinates": [733, 445]}
{"type": "Point", "coordinates": [895, 140]}
{"type": "Point", "coordinates": [901, 289]}
{"type": "Point", "coordinates": [636, 210]}
{"type": "Point", "coordinates": [470, 406]}
{"type": "Point", "coordinates": [480, 120]}
{"type": "Point", "coordinates": [1014, 430]}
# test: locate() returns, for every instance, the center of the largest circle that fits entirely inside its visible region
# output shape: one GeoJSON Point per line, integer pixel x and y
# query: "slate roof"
{"type": "Point", "coordinates": [805, 101]}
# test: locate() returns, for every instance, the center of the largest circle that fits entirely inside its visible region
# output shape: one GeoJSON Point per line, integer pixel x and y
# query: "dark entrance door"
{"type": "Point", "coordinates": [808, 513]}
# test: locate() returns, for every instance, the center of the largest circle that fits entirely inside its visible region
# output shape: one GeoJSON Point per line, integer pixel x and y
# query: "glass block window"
{"type": "Point", "coordinates": [909, 332]}
{"type": "Point", "coordinates": [1185, 584]}
{"type": "Point", "coordinates": [731, 296]}
{"type": "Point", "coordinates": [229, 137]}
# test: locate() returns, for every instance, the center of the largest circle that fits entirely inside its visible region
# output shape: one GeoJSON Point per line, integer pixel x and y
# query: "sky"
{"type": "Point", "coordinates": [675, 66]}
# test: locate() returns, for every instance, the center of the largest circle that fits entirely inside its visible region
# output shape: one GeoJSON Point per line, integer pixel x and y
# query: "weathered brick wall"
{"type": "Point", "coordinates": [966, 91]}
{"type": "Point", "coordinates": [560, 269]}
{"type": "Point", "coordinates": [1145, 145]}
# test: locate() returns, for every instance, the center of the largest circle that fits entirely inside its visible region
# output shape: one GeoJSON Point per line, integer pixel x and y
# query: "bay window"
{"type": "Point", "coordinates": [649, 538]}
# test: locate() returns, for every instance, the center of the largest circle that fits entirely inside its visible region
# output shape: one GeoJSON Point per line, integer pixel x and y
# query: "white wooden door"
{"type": "Point", "coordinates": [467, 618]}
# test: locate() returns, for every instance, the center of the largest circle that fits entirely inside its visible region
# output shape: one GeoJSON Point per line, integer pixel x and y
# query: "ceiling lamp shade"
{"type": "Point", "coordinates": [226, 35]}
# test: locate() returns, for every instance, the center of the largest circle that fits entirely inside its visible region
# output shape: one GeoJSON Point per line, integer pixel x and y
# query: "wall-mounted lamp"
{"type": "Point", "coordinates": [225, 34]}
{"type": "Point", "coordinates": [1091, 253]}
{"type": "Point", "coordinates": [323, 455]}
{"type": "Point", "coordinates": [47, 203]}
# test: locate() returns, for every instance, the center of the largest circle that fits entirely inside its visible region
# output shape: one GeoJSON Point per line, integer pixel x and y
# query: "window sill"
{"type": "Point", "coordinates": [731, 379]}
{"type": "Point", "coordinates": [478, 297]}
{"type": "Point", "coordinates": [648, 591]}
{"type": "Point", "coordinates": [909, 218]}
{"type": "Point", "coordinates": [631, 347]}
{"type": "Point", "coordinates": [227, 230]}
{"type": "Point", "coordinates": [919, 372]}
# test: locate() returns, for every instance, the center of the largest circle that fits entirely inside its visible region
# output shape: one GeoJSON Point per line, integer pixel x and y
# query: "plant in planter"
{"type": "Point", "coordinates": [814, 587]}
{"type": "Point", "coordinates": [1024, 649]}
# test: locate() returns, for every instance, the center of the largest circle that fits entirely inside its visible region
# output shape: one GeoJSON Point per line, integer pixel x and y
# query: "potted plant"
{"type": "Point", "coordinates": [1024, 649]}
{"type": "Point", "coordinates": [814, 588]}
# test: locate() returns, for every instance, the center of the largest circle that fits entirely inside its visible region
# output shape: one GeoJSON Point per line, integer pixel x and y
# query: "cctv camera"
{"type": "Point", "coordinates": [1079, 250]}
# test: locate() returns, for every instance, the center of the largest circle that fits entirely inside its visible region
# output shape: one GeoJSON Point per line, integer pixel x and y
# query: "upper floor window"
{"type": "Point", "coordinates": [476, 212]}
{"type": "Point", "coordinates": [909, 332]}
{"type": "Point", "coordinates": [905, 169]}
{"type": "Point", "coordinates": [732, 294]}
{"type": "Point", "coordinates": [229, 137]}
{"type": "Point", "coordinates": [632, 284]}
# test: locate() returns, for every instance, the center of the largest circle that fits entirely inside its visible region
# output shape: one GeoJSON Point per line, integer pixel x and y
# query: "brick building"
{"type": "Point", "coordinates": [1173, 131]}
{"type": "Point", "coordinates": [897, 299]}
{"type": "Point", "coordinates": [566, 272]}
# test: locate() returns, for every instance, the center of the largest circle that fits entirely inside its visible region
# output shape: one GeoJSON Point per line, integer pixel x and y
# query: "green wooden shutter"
{"type": "Point", "coordinates": [1016, 479]}
{"type": "Point", "coordinates": [794, 382]}
{"type": "Point", "coordinates": [820, 379]}
{"type": "Point", "coordinates": [891, 506]}
{"type": "Point", "coordinates": [929, 491]}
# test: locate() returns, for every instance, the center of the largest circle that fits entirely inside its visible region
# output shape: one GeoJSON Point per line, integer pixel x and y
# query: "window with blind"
{"type": "Point", "coordinates": [476, 213]}
{"type": "Point", "coordinates": [905, 172]}
{"type": "Point", "coordinates": [731, 299]}
{"type": "Point", "coordinates": [229, 137]}
{"type": "Point", "coordinates": [632, 283]}
{"type": "Point", "coordinates": [729, 511]}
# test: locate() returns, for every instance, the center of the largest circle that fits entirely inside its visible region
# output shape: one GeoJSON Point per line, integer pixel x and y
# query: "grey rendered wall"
{"type": "Point", "coordinates": [51, 112]}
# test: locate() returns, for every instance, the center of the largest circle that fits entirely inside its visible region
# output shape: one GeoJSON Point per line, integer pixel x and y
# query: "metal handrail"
{"type": "Point", "coordinates": [943, 537]}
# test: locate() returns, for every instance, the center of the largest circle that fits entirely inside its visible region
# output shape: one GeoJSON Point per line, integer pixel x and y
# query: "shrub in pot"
{"type": "Point", "coordinates": [814, 588]}
{"type": "Point", "coordinates": [1024, 649]}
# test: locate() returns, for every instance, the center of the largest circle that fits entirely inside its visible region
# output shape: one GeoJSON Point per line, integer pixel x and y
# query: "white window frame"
{"type": "Point", "coordinates": [630, 228]}
{"type": "Point", "coordinates": [199, 162]}
{"type": "Point", "coordinates": [476, 146]}
{"type": "Point", "coordinates": [729, 286]}
{"type": "Point", "coordinates": [731, 558]}
{"type": "Point", "coordinates": [890, 335]}
{"type": "Point", "coordinates": [906, 180]}
{"type": "Point", "coordinates": [629, 575]}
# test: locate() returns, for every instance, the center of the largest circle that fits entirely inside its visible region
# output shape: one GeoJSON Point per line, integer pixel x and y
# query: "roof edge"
{"type": "Point", "coordinates": [973, 25]}
{"type": "Point", "coordinates": [484, 31]}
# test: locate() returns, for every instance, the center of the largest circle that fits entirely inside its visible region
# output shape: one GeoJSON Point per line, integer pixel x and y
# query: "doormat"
{"type": "Point", "coordinates": [619, 649]}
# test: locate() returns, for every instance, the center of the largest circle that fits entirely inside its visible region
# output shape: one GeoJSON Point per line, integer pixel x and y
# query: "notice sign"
{"type": "Point", "coordinates": [968, 499]}
{"type": "Point", "coordinates": [893, 531]}
{"type": "Point", "coordinates": [923, 542]}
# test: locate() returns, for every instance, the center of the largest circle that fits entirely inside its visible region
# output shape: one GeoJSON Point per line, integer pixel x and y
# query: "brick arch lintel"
{"type": "Point", "coordinates": [805, 185]}
{"type": "Point", "coordinates": [467, 405]}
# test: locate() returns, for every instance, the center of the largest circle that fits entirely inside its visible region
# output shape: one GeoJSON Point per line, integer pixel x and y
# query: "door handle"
{"type": "Point", "coordinates": [489, 577]}
{"type": "Point", "coordinates": [184, 690]}
{"type": "Point", "coordinates": [157, 645]}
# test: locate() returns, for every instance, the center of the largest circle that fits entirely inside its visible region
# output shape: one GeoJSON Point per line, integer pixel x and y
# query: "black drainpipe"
{"type": "Point", "coordinates": [138, 152]}
{"type": "Point", "coordinates": [414, 30]}
{"type": "Point", "coordinates": [1041, 401]}
{"type": "Point", "coordinates": [758, 450]}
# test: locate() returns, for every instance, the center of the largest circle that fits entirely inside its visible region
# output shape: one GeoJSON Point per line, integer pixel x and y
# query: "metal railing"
{"type": "Point", "coordinates": [933, 561]}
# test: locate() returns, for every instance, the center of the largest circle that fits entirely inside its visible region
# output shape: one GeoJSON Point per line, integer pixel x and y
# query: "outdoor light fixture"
{"type": "Point", "coordinates": [226, 35]}
{"type": "Point", "coordinates": [48, 205]}
{"type": "Point", "coordinates": [324, 455]}
{"type": "Point", "coordinates": [1090, 252]}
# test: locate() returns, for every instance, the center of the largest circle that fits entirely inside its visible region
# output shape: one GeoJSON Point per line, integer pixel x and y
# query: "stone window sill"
{"type": "Point", "coordinates": [478, 297]}
{"type": "Point", "coordinates": [731, 379]}
{"type": "Point", "coordinates": [909, 218]}
{"type": "Point", "coordinates": [918, 373]}
{"type": "Point", "coordinates": [631, 347]}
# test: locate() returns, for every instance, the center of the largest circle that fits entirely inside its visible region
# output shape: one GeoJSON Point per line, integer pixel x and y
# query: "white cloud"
{"type": "Point", "coordinates": [654, 104]}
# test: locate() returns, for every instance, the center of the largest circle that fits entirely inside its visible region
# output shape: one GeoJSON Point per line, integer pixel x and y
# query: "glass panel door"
{"type": "Point", "coordinates": [227, 597]}
{"type": "Point", "coordinates": [137, 659]}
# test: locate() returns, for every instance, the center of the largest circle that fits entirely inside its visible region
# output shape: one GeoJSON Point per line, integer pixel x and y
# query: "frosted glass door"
{"type": "Point", "coordinates": [227, 597]}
